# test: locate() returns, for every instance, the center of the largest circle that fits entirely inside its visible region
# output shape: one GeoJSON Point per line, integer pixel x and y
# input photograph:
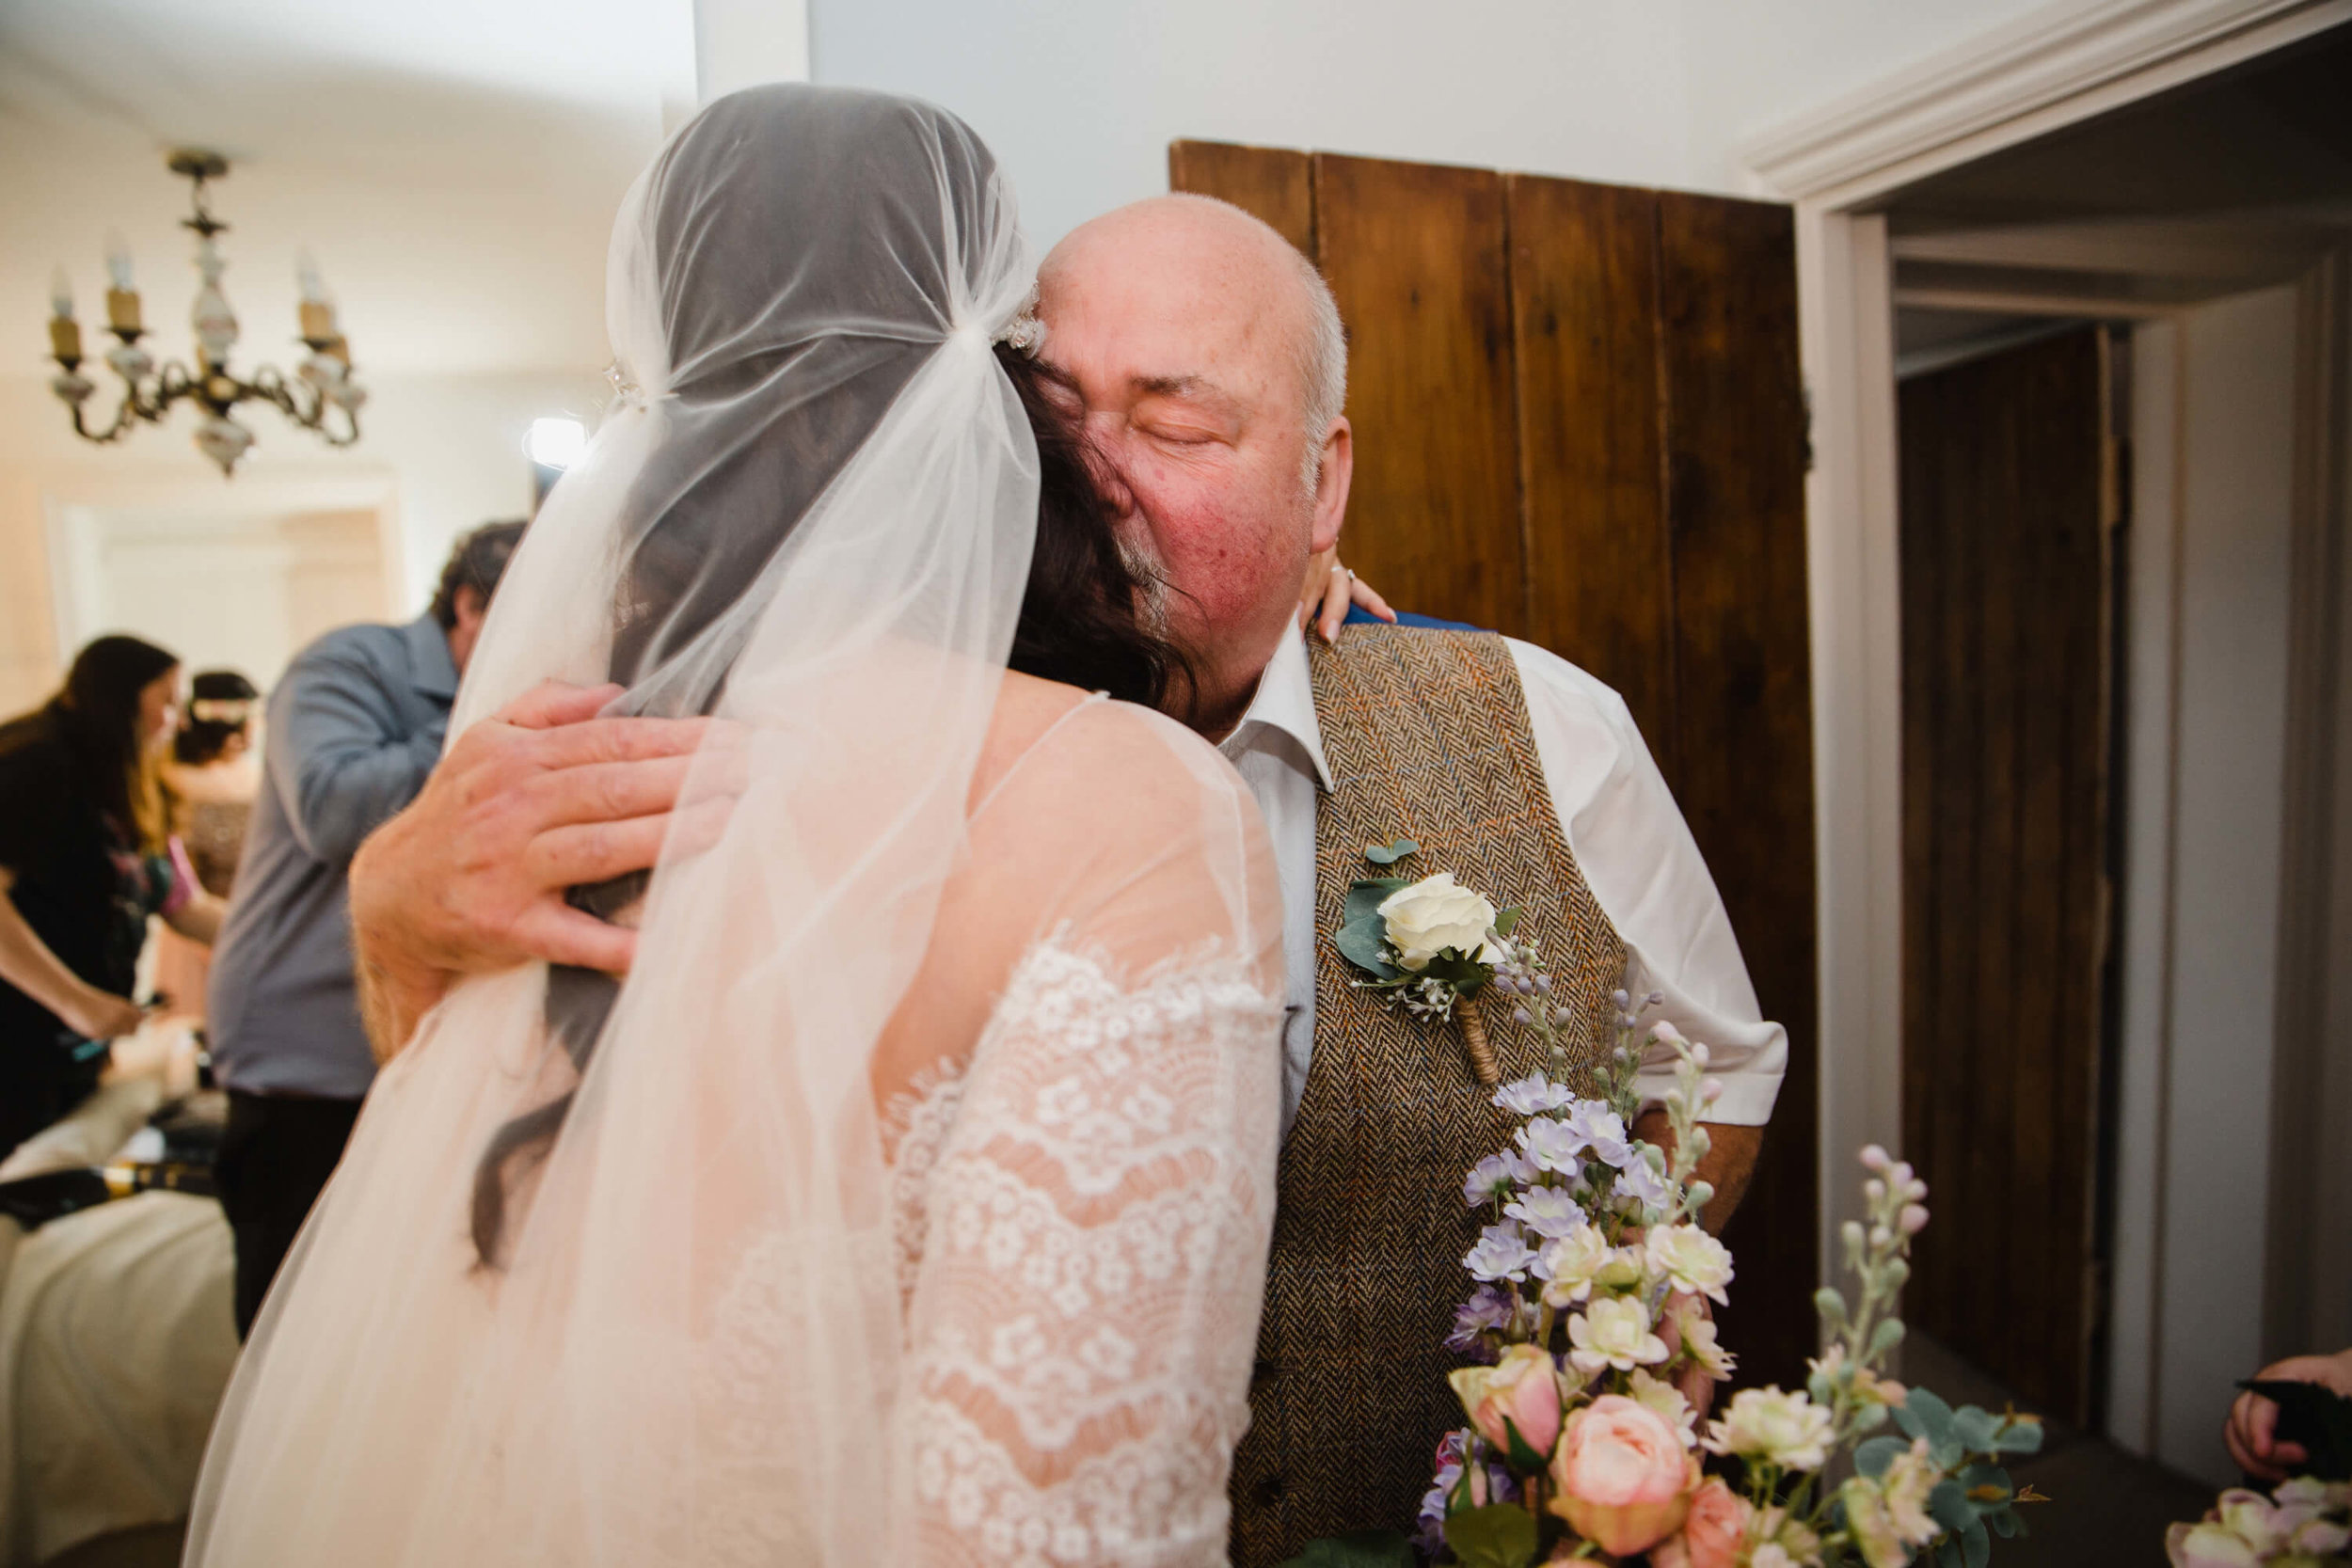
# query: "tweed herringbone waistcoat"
{"type": "Point", "coordinates": [1426, 734]}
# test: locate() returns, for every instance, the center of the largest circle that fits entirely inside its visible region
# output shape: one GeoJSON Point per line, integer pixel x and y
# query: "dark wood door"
{"type": "Point", "coordinates": [1578, 420]}
{"type": "Point", "coordinates": [2009, 507]}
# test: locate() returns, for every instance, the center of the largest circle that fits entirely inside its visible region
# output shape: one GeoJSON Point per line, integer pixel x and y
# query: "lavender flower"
{"type": "Point", "coordinates": [1494, 1176]}
{"type": "Point", "coordinates": [1640, 1185]}
{"type": "Point", "coordinates": [1546, 1211]}
{"type": "Point", "coordinates": [1487, 1311]}
{"type": "Point", "coordinates": [1532, 1094]}
{"type": "Point", "coordinates": [1501, 1253]}
{"type": "Point", "coordinates": [1596, 1127]}
{"type": "Point", "coordinates": [1554, 1144]}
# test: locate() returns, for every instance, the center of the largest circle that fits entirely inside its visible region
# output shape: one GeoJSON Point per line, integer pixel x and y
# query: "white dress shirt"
{"type": "Point", "coordinates": [1620, 821]}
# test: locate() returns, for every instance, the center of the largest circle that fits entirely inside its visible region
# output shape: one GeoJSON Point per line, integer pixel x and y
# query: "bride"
{"type": "Point", "coordinates": [909, 1202]}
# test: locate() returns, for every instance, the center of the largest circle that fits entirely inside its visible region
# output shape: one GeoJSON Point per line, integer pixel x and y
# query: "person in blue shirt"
{"type": "Point", "coordinates": [354, 727]}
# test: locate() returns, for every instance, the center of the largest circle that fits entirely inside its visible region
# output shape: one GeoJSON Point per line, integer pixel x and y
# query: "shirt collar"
{"type": "Point", "coordinates": [1284, 705]}
{"type": "Point", "coordinates": [431, 671]}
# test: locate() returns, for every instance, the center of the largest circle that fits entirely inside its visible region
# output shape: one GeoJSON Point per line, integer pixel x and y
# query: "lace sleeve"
{"type": "Point", "coordinates": [1087, 1299]}
{"type": "Point", "coordinates": [1096, 1221]}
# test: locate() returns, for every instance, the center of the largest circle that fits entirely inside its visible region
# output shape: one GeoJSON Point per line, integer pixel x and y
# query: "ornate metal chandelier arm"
{"type": "Point", "coordinates": [126, 415]}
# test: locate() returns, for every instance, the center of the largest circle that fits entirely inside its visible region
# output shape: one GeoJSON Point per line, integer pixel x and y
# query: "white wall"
{"type": "Point", "coordinates": [2213, 426]}
{"type": "Point", "coordinates": [1081, 99]}
{"type": "Point", "coordinates": [449, 450]}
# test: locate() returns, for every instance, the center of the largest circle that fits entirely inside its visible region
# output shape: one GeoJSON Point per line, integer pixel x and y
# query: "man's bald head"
{"type": "Point", "coordinates": [1212, 238]}
{"type": "Point", "coordinates": [1206, 356]}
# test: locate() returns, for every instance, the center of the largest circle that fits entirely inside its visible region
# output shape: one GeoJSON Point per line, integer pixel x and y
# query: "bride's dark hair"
{"type": "Point", "coordinates": [849, 183]}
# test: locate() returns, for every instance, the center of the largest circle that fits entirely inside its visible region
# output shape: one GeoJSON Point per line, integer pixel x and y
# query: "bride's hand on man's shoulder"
{"type": "Point", "coordinates": [541, 797]}
{"type": "Point", "coordinates": [1330, 589]}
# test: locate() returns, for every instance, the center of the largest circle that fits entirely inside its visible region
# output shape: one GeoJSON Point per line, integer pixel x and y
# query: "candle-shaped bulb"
{"type": "Point", "coordinates": [65, 333]}
{"type": "Point", "coordinates": [123, 300]}
{"type": "Point", "coordinates": [318, 311]}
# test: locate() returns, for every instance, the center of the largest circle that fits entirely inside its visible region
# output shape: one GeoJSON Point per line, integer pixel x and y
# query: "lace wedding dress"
{"type": "Point", "coordinates": [909, 1202]}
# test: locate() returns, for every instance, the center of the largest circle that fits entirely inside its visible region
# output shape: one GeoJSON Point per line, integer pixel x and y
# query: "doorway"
{"type": "Point", "coordinates": [240, 582]}
{"type": "Point", "coordinates": [2200, 225]}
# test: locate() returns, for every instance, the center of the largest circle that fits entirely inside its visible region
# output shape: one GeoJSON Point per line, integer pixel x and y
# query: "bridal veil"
{"type": "Point", "coordinates": [810, 513]}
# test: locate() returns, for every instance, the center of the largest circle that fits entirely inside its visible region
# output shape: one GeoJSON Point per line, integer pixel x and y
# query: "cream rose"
{"type": "Point", "coordinates": [1693, 1262]}
{"type": "Point", "coordinates": [1783, 1429]}
{"type": "Point", "coordinates": [1434, 914]}
{"type": "Point", "coordinates": [1620, 1477]}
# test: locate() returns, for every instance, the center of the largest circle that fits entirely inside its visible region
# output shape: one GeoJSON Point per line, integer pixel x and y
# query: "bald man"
{"type": "Point", "coordinates": [1208, 361]}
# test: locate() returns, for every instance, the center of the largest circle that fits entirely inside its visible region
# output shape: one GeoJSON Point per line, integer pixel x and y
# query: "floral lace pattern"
{"type": "Point", "coordinates": [1081, 1216]}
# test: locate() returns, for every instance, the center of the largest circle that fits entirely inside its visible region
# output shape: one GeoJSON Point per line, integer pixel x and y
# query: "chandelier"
{"type": "Point", "coordinates": [322, 384]}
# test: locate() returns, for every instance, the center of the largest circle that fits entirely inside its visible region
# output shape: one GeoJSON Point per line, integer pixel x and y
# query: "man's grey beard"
{"type": "Point", "coordinates": [1151, 590]}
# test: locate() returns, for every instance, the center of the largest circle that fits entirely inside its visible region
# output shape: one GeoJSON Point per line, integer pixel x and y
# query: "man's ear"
{"type": "Point", "coordinates": [470, 606]}
{"type": "Point", "coordinates": [1332, 478]}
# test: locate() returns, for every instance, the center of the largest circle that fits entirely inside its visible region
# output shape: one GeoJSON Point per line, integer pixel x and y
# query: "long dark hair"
{"type": "Point", "coordinates": [220, 709]}
{"type": "Point", "coordinates": [96, 714]}
{"type": "Point", "coordinates": [700, 533]}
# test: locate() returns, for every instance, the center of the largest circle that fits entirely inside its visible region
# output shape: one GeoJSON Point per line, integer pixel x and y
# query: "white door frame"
{"type": "Point", "coordinates": [2052, 68]}
{"type": "Point", "coordinates": [72, 496]}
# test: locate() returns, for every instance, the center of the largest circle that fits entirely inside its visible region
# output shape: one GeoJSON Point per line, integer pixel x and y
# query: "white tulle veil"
{"type": "Point", "coordinates": [811, 511]}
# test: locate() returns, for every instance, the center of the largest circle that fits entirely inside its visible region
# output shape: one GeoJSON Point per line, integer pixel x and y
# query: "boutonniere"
{"type": "Point", "coordinates": [1432, 945]}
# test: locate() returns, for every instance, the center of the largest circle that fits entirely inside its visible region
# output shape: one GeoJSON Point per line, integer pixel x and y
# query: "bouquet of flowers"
{"type": "Point", "coordinates": [1587, 1334]}
{"type": "Point", "coordinates": [2305, 1523]}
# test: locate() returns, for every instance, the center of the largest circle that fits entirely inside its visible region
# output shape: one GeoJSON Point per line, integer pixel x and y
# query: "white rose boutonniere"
{"type": "Point", "coordinates": [1435, 915]}
{"type": "Point", "coordinates": [1430, 944]}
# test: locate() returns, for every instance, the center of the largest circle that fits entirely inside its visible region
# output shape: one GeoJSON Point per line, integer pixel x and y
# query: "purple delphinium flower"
{"type": "Point", "coordinates": [1554, 1144]}
{"type": "Point", "coordinates": [1501, 1253]}
{"type": "Point", "coordinates": [1546, 1211]}
{"type": "Point", "coordinates": [1532, 1094]}
{"type": "Point", "coordinates": [1494, 1176]}
{"type": "Point", "coordinates": [1488, 1310]}
{"type": "Point", "coordinates": [1596, 1127]}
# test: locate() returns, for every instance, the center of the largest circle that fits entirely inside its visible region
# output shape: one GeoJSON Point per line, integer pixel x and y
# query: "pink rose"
{"type": "Point", "coordinates": [1621, 1476]}
{"type": "Point", "coordinates": [1711, 1533]}
{"type": "Point", "coordinates": [1523, 1389]}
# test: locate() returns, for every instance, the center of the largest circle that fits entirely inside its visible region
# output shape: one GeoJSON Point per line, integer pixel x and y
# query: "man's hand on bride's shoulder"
{"type": "Point", "coordinates": [541, 797]}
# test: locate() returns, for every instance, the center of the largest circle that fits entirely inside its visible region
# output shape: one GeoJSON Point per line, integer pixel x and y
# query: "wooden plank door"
{"type": "Point", "coordinates": [2008, 506]}
{"type": "Point", "coordinates": [1578, 420]}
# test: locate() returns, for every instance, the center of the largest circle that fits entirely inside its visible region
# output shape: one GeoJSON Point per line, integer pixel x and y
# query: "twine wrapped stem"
{"type": "Point", "coordinates": [1481, 1055]}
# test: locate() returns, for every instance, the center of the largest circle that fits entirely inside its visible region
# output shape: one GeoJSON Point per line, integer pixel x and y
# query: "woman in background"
{"type": "Point", "coordinates": [85, 856]}
{"type": "Point", "coordinates": [214, 773]}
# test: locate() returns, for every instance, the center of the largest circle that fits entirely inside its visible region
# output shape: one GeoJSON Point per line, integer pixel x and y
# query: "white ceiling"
{"type": "Point", "coordinates": [452, 164]}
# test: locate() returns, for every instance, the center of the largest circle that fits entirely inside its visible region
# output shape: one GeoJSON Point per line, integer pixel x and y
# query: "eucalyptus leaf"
{"type": "Point", "coordinates": [1365, 897]}
{"type": "Point", "coordinates": [1873, 1458]}
{"type": "Point", "coordinates": [1500, 1535]}
{"type": "Point", "coordinates": [1506, 923]}
{"type": "Point", "coordinates": [1368, 1548]}
{"type": "Point", "coordinates": [1975, 1546]}
{"type": "Point", "coordinates": [1948, 1506]}
{"type": "Point", "coordinates": [1972, 1427]}
{"type": "Point", "coordinates": [1947, 1552]}
{"type": "Point", "coordinates": [1389, 854]}
{"type": "Point", "coordinates": [1923, 1414]}
{"type": "Point", "coordinates": [2019, 1436]}
{"type": "Point", "coordinates": [1361, 943]}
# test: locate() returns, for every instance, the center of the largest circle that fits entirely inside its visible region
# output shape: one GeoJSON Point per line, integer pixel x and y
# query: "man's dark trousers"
{"type": "Point", "coordinates": [274, 1161]}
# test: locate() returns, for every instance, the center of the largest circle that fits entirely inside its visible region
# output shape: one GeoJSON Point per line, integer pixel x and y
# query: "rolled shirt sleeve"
{"type": "Point", "coordinates": [338, 757]}
{"type": "Point", "coordinates": [1647, 874]}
